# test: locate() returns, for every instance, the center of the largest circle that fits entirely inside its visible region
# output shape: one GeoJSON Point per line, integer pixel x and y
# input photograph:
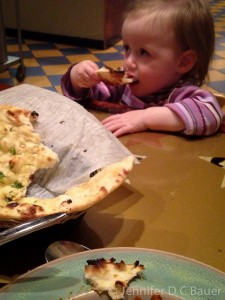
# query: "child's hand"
{"type": "Point", "coordinates": [83, 75]}
{"type": "Point", "coordinates": [125, 123]}
{"type": "Point", "coordinates": [153, 118]}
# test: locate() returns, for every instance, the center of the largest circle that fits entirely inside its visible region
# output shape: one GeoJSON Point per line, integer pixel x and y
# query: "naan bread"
{"type": "Point", "coordinates": [110, 276]}
{"type": "Point", "coordinates": [22, 154]}
{"type": "Point", "coordinates": [114, 76]}
{"type": "Point", "coordinates": [75, 199]}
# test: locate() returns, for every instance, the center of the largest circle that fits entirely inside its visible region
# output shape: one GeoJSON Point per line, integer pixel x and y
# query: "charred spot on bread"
{"type": "Point", "coordinates": [34, 115]}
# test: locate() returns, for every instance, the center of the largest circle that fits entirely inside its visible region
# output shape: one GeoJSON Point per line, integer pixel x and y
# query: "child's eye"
{"type": "Point", "coordinates": [143, 52]}
{"type": "Point", "coordinates": [126, 48]}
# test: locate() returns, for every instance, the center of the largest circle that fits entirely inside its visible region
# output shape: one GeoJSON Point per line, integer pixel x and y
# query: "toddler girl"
{"type": "Point", "coordinates": [168, 45]}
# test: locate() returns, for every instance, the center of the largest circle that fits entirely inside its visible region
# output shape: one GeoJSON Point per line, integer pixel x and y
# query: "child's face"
{"type": "Point", "coordinates": [151, 55]}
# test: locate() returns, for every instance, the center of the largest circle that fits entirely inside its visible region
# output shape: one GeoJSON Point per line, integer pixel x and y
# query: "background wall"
{"type": "Point", "coordinates": [86, 19]}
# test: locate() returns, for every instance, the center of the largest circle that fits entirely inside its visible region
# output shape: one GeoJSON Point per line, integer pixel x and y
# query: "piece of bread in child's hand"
{"type": "Point", "coordinates": [114, 76]}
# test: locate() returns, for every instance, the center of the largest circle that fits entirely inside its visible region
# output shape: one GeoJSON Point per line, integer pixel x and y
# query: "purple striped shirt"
{"type": "Point", "coordinates": [197, 108]}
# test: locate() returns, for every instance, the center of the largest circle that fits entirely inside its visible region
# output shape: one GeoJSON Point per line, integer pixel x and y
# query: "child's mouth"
{"type": "Point", "coordinates": [135, 82]}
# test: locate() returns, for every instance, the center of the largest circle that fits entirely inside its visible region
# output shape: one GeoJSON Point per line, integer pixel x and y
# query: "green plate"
{"type": "Point", "coordinates": [164, 272]}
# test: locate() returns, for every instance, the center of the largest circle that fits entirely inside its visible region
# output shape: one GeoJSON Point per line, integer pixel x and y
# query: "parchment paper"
{"type": "Point", "coordinates": [80, 140]}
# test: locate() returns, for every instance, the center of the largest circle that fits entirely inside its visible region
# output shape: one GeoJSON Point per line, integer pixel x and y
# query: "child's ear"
{"type": "Point", "coordinates": [187, 61]}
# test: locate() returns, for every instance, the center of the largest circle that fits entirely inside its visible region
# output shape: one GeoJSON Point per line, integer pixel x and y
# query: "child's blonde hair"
{"type": "Point", "coordinates": [192, 23]}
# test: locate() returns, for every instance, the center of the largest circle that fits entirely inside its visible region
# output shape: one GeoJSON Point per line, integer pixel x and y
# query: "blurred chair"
{"type": "Point", "coordinates": [4, 86]}
{"type": "Point", "coordinates": [221, 99]}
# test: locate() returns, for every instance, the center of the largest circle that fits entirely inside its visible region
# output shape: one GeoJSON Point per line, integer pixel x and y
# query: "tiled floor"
{"type": "Point", "coordinates": [47, 62]}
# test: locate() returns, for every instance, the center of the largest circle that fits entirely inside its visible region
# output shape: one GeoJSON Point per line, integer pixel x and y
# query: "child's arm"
{"type": "Point", "coordinates": [153, 118]}
{"type": "Point", "coordinates": [199, 110]}
{"type": "Point", "coordinates": [190, 110]}
{"type": "Point", "coordinates": [76, 84]}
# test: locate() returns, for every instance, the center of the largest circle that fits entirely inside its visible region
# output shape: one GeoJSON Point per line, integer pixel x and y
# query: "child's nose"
{"type": "Point", "coordinates": [130, 62]}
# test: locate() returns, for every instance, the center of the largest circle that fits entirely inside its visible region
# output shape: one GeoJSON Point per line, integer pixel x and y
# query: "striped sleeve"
{"type": "Point", "coordinates": [198, 109]}
{"type": "Point", "coordinates": [101, 91]}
